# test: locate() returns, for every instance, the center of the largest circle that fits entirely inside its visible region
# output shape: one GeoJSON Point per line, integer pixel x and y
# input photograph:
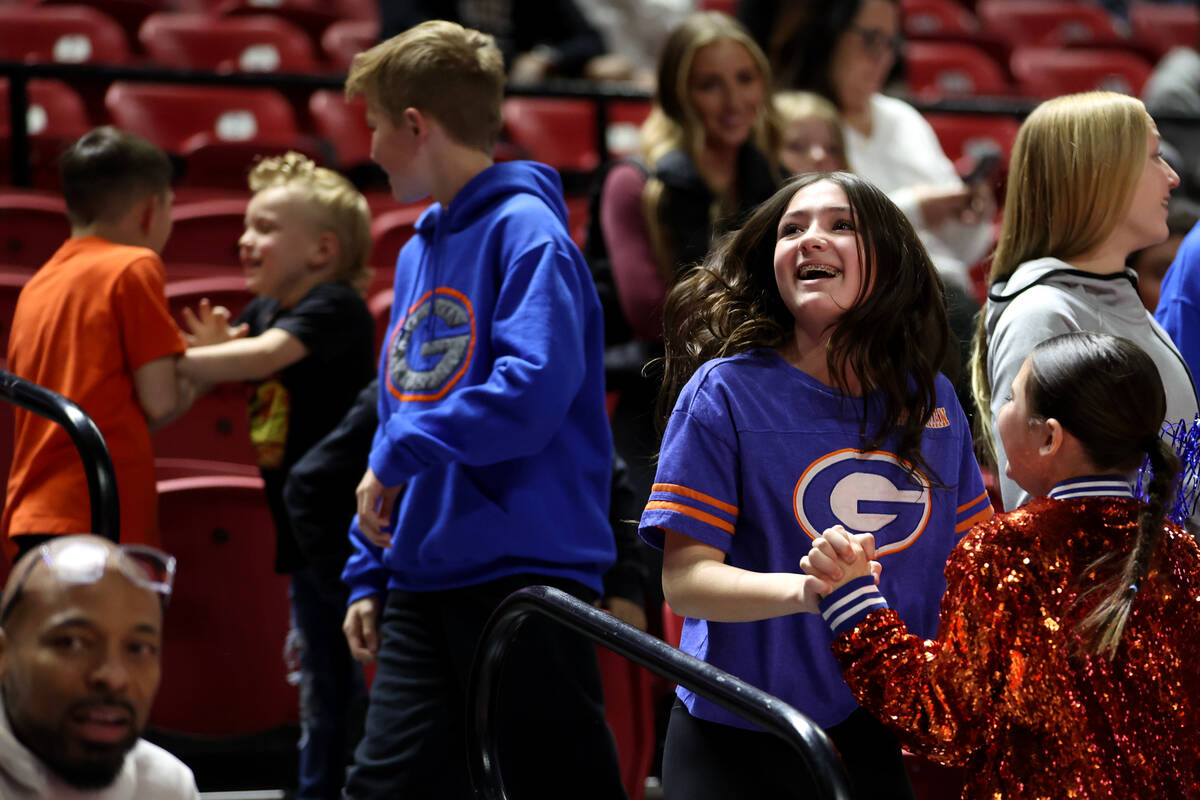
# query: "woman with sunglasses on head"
{"type": "Point", "coordinates": [845, 52]}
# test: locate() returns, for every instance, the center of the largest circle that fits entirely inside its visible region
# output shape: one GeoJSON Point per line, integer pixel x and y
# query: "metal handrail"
{"type": "Point", "coordinates": [733, 694]}
{"type": "Point", "coordinates": [97, 463]}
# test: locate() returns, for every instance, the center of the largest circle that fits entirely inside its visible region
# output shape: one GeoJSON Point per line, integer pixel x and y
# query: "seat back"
{"type": "Point", "coordinates": [344, 124]}
{"type": "Point", "coordinates": [963, 134]}
{"type": "Point", "coordinates": [344, 38]}
{"type": "Point", "coordinates": [937, 19]}
{"type": "Point", "coordinates": [180, 118]}
{"type": "Point", "coordinates": [557, 131]}
{"type": "Point", "coordinates": [223, 636]}
{"type": "Point", "coordinates": [55, 118]}
{"type": "Point", "coordinates": [1049, 22]}
{"type": "Point", "coordinates": [1161, 26]}
{"type": "Point", "coordinates": [391, 229]}
{"type": "Point", "coordinates": [1051, 71]}
{"type": "Point", "coordinates": [256, 43]}
{"type": "Point", "coordinates": [11, 283]}
{"type": "Point", "coordinates": [72, 34]}
{"type": "Point", "coordinates": [207, 232]}
{"type": "Point", "coordinates": [32, 226]}
{"type": "Point", "coordinates": [951, 69]}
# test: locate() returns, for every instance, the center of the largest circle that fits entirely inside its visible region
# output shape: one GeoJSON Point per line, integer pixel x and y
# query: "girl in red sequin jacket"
{"type": "Point", "coordinates": [1070, 630]}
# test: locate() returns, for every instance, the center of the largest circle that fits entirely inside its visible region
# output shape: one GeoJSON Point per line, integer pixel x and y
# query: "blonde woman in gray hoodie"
{"type": "Point", "coordinates": [1087, 186]}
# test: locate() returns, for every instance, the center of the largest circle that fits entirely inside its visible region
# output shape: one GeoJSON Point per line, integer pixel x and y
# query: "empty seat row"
{"type": "Point", "coordinates": [218, 131]}
{"type": "Point", "coordinates": [936, 70]}
{"type": "Point", "coordinates": [1001, 25]}
{"type": "Point", "coordinates": [253, 42]}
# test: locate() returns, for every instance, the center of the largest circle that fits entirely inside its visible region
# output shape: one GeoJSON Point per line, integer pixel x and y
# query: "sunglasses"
{"type": "Point", "coordinates": [81, 562]}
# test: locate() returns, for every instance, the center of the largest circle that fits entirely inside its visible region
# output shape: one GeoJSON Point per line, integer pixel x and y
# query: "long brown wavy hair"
{"type": "Point", "coordinates": [893, 340]}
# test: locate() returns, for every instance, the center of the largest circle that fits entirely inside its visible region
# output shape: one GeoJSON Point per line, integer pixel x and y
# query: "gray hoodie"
{"type": "Point", "coordinates": [1046, 297]}
{"type": "Point", "coordinates": [149, 773]}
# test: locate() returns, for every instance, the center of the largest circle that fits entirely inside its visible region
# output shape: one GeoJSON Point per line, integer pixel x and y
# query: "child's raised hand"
{"type": "Point", "coordinates": [839, 556]}
{"type": "Point", "coordinates": [209, 324]}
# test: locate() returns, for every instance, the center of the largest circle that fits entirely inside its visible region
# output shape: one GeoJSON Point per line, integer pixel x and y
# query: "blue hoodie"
{"type": "Point", "coordinates": [491, 397]}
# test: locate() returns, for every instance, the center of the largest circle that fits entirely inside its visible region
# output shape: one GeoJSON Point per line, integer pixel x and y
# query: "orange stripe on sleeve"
{"type": "Point", "coordinates": [968, 504]}
{"type": "Point", "coordinates": [693, 494]}
{"type": "Point", "coordinates": [966, 525]}
{"type": "Point", "coordinates": [694, 513]}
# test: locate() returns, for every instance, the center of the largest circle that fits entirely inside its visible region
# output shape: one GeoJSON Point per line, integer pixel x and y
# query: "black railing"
{"type": "Point", "coordinates": [97, 464]}
{"type": "Point", "coordinates": [733, 694]}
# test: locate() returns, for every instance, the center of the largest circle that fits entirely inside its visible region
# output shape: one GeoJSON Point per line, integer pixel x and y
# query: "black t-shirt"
{"type": "Point", "coordinates": [294, 409]}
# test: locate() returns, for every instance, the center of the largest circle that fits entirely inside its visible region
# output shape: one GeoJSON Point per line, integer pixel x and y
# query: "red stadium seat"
{"type": "Point", "coordinates": [56, 117]}
{"type": "Point", "coordinates": [223, 670]}
{"type": "Point", "coordinates": [391, 229]}
{"type": "Point", "coordinates": [215, 428]}
{"type": "Point", "coordinates": [1051, 71]}
{"type": "Point", "coordinates": [207, 232]}
{"type": "Point", "coordinates": [344, 38]}
{"type": "Point", "coordinates": [11, 283]}
{"type": "Point", "coordinates": [219, 130]}
{"type": "Point", "coordinates": [310, 16]}
{"type": "Point", "coordinates": [1049, 22]}
{"type": "Point", "coordinates": [1161, 26]}
{"type": "Point", "coordinates": [259, 43]}
{"type": "Point", "coordinates": [177, 117]}
{"type": "Point", "coordinates": [32, 226]}
{"type": "Point", "coordinates": [937, 19]}
{"type": "Point", "coordinates": [557, 131]}
{"type": "Point", "coordinates": [961, 134]}
{"type": "Point", "coordinates": [629, 711]}
{"type": "Point", "coordinates": [344, 124]}
{"type": "Point", "coordinates": [126, 13]}
{"type": "Point", "coordinates": [951, 69]}
{"type": "Point", "coordinates": [222, 290]}
{"type": "Point", "coordinates": [72, 34]}
{"type": "Point", "coordinates": [170, 468]}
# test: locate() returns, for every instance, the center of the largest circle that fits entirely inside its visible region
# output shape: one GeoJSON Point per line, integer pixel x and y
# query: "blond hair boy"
{"type": "Point", "coordinates": [305, 345]}
{"type": "Point", "coordinates": [490, 466]}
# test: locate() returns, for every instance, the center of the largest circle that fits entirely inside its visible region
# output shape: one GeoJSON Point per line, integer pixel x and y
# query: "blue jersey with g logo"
{"type": "Point", "coordinates": [757, 460]}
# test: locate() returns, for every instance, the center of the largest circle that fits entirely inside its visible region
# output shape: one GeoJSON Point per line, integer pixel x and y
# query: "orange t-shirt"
{"type": "Point", "coordinates": [92, 315]}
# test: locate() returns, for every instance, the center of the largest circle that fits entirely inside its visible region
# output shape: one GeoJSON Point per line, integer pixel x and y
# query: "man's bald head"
{"type": "Point", "coordinates": [31, 572]}
{"type": "Point", "coordinates": [80, 664]}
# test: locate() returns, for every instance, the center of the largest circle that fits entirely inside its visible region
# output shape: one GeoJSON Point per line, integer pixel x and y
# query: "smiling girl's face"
{"type": "Point", "coordinates": [818, 266]}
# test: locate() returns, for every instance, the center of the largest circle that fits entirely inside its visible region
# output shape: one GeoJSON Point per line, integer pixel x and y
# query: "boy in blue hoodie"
{"type": "Point", "coordinates": [490, 466]}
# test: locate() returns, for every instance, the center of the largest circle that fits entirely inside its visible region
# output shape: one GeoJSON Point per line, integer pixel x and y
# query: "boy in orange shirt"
{"type": "Point", "coordinates": [93, 325]}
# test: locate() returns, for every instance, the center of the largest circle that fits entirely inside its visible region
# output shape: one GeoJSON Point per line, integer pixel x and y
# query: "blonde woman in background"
{"type": "Point", "coordinates": [1087, 186]}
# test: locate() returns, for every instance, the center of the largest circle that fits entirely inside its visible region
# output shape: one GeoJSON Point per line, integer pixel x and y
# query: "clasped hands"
{"type": "Point", "coordinates": [838, 557]}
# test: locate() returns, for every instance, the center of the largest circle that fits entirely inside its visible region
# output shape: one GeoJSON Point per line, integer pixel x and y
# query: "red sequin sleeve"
{"type": "Point", "coordinates": [936, 695]}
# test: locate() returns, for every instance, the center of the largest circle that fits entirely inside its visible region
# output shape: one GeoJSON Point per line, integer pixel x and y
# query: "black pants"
{"type": "Point", "coordinates": [554, 742]}
{"type": "Point", "coordinates": [710, 761]}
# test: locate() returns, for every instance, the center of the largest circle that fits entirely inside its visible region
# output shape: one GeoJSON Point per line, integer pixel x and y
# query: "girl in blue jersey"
{"type": "Point", "coordinates": [802, 370]}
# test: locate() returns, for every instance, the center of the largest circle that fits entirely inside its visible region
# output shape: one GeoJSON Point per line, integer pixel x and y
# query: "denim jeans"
{"type": "Point", "coordinates": [330, 682]}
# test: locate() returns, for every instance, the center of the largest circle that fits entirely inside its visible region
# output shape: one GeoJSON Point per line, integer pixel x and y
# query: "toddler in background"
{"type": "Point", "coordinates": [306, 346]}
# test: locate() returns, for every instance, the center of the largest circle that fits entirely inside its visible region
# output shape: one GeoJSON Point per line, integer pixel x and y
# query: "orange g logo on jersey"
{"type": "Point", "coordinates": [430, 349]}
{"type": "Point", "coordinates": [865, 493]}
